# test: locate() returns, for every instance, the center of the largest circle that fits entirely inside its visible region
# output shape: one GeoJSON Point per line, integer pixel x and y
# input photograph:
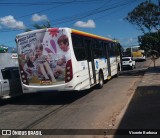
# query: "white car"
{"type": "Point", "coordinates": [128, 62]}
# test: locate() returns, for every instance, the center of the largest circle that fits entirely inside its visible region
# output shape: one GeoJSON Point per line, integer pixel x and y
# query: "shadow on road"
{"type": "Point", "coordinates": [143, 111]}
{"type": "Point", "coordinates": [58, 98]}
{"type": "Point", "coordinates": [137, 72]}
{"type": "Point", "coordinates": [46, 98]}
{"type": "Point", "coordinates": [154, 69]}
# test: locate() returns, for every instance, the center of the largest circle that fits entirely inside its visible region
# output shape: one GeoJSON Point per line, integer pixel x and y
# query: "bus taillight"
{"type": "Point", "coordinates": [23, 76]}
{"type": "Point", "coordinates": [69, 73]}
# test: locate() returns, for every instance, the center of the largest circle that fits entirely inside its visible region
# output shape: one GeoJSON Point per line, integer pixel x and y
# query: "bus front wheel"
{"type": "Point", "coordinates": [101, 80]}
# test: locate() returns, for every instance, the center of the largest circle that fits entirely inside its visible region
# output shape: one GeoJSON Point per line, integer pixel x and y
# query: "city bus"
{"type": "Point", "coordinates": [138, 53]}
{"type": "Point", "coordinates": [65, 59]}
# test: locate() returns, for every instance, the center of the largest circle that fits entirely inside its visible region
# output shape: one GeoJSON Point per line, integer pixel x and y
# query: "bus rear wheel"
{"type": "Point", "coordinates": [101, 80]}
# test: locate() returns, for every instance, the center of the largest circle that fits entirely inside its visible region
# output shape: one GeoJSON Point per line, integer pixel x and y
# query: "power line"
{"type": "Point", "coordinates": [43, 3]}
{"type": "Point", "coordinates": [98, 10]}
{"type": "Point", "coordinates": [92, 12]}
{"type": "Point", "coordinates": [40, 11]}
{"type": "Point", "coordinates": [87, 14]}
{"type": "Point", "coordinates": [48, 9]}
{"type": "Point", "coordinates": [31, 3]}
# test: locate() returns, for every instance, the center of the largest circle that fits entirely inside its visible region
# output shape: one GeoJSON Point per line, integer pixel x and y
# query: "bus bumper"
{"type": "Point", "coordinates": [52, 88]}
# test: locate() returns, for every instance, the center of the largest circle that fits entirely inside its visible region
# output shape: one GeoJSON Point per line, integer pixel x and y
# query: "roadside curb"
{"type": "Point", "coordinates": [132, 90]}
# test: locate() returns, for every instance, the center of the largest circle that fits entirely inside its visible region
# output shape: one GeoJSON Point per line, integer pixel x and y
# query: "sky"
{"type": "Point", "coordinates": [100, 17]}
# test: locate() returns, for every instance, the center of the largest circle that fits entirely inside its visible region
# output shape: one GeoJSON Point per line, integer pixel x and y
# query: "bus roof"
{"type": "Point", "coordinates": [91, 35]}
{"type": "Point", "coordinates": [72, 31]}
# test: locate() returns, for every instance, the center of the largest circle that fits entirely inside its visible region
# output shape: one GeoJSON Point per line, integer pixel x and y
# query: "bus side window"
{"type": "Point", "coordinates": [111, 49]}
{"type": "Point", "coordinates": [87, 45]}
{"type": "Point", "coordinates": [117, 49]}
{"type": "Point", "coordinates": [98, 51]}
{"type": "Point", "coordinates": [102, 52]}
{"type": "Point", "coordinates": [94, 45]}
{"type": "Point", "coordinates": [78, 47]}
{"type": "Point", "coordinates": [105, 49]}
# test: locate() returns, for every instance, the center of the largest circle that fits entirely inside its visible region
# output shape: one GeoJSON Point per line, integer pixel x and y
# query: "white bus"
{"type": "Point", "coordinates": [64, 59]}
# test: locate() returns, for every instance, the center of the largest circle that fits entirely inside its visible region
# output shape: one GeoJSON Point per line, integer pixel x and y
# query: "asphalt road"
{"type": "Point", "coordinates": [90, 109]}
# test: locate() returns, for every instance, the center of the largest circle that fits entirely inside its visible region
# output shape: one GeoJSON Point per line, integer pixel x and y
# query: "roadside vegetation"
{"type": "Point", "coordinates": [146, 17]}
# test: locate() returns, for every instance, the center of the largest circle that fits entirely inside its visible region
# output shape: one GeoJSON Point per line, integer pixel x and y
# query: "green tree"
{"type": "Point", "coordinates": [127, 52]}
{"type": "Point", "coordinates": [145, 17]}
{"type": "Point", "coordinates": [128, 49]}
{"type": "Point", "coordinates": [37, 26]}
{"type": "Point", "coordinates": [150, 41]}
{"type": "Point", "coordinates": [3, 49]}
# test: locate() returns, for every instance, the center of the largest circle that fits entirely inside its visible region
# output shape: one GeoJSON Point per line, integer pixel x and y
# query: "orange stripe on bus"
{"type": "Point", "coordinates": [90, 35]}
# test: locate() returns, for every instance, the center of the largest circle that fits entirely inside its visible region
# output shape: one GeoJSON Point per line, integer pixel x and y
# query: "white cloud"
{"type": "Point", "coordinates": [37, 18]}
{"type": "Point", "coordinates": [88, 24]}
{"type": "Point", "coordinates": [10, 22]}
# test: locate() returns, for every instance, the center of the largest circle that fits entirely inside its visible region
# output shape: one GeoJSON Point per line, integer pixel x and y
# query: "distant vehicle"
{"type": "Point", "coordinates": [128, 62]}
{"type": "Point", "coordinates": [64, 59]}
{"type": "Point", "coordinates": [138, 53]}
{"type": "Point", "coordinates": [10, 84]}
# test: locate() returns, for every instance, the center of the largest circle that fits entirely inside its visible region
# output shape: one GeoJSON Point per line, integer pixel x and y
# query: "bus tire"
{"type": "Point", "coordinates": [101, 80]}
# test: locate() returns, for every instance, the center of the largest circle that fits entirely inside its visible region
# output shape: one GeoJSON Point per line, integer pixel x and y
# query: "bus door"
{"type": "Point", "coordinates": [90, 59]}
{"type": "Point", "coordinates": [108, 59]}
